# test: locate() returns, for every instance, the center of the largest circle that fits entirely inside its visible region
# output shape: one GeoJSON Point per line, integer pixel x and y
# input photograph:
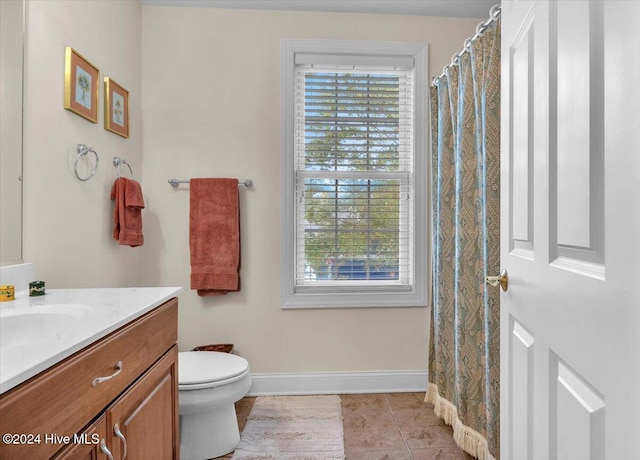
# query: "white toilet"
{"type": "Point", "coordinates": [209, 384]}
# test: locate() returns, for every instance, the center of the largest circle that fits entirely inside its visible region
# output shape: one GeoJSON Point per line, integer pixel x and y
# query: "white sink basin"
{"type": "Point", "coordinates": [34, 326]}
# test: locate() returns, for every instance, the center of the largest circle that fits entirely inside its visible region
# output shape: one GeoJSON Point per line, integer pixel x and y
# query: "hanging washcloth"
{"type": "Point", "coordinates": [214, 236]}
{"type": "Point", "coordinates": [127, 212]}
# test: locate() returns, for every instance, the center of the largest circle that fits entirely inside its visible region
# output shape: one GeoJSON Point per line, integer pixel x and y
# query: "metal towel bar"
{"type": "Point", "coordinates": [248, 183]}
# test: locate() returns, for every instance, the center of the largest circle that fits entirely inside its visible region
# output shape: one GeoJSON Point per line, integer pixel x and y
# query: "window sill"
{"type": "Point", "coordinates": [371, 299]}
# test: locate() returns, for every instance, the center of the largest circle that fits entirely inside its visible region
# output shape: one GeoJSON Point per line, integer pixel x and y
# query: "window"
{"type": "Point", "coordinates": [354, 204]}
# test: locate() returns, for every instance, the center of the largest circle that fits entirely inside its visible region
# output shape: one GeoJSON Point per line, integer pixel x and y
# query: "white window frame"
{"type": "Point", "coordinates": [378, 296]}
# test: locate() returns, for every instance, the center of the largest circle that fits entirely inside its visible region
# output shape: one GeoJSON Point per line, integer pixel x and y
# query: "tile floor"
{"type": "Point", "coordinates": [395, 426]}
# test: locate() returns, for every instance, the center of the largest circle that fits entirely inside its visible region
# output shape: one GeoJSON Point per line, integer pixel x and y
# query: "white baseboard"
{"type": "Point", "coordinates": [338, 383]}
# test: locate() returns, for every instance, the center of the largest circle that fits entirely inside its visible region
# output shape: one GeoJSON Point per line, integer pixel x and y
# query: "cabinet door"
{"type": "Point", "coordinates": [91, 444]}
{"type": "Point", "coordinates": [143, 423]}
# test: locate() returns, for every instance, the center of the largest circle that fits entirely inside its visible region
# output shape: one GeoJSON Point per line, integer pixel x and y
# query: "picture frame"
{"type": "Point", "coordinates": [116, 108]}
{"type": "Point", "coordinates": [81, 85]}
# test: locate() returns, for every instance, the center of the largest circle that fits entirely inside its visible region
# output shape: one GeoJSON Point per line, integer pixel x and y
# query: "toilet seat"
{"type": "Point", "coordinates": [206, 369]}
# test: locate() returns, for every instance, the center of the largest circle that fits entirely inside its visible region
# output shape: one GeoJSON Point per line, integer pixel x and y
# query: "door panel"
{"type": "Point", "coordinates": [573, 107]}
{"type": "Point", "coordinates": [521, 352]}
{"type": "Point", "coordinates": [576, 119]}
{"type": "Point", "coordinates": [577, 428]}
{"type": "Point", "coordinates": [521, 54]}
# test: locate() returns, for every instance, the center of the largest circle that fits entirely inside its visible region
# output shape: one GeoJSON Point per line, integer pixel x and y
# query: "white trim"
{"type": "Point", "coordinates": [418, 296]}
{"type": "Point", "coordinates": [349, 60]}
{"type": "Point", "coordinates": [443, 8]}
{"type": "Point", "coordinates": [338, 382]}
{"type": "Point", "coordinates": [581, 267]}
{"type": "Point", "coordinates": [371, 299]}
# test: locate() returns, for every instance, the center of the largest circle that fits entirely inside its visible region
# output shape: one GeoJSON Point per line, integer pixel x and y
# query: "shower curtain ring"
{"type": "Point", "coordinates": [495, 11]}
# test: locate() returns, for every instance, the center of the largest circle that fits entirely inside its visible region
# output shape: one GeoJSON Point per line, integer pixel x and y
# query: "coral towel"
{"type": "Point", "coordinates": [214, 236]}
{"type": "Point", "coordinates": [127, 212]}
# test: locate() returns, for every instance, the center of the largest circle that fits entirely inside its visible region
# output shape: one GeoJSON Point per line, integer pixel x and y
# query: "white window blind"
{"type": "Point", "coordinates": [354, 160]}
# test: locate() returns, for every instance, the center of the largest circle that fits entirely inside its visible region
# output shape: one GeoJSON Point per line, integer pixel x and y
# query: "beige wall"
{"type": "Point", "coordinates": [67, 223]}
{"type": "Point", "coordinates": [211, 103]}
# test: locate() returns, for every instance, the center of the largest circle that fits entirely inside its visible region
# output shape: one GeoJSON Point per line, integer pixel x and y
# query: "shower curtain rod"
{"type": "Point", "coordinates": [494, 15]}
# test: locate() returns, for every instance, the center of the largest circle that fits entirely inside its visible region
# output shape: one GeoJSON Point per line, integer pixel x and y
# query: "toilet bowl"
{"type": "Point", "coordinates": [209, 383]}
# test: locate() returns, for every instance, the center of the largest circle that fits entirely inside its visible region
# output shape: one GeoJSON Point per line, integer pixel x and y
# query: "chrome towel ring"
{"type": "Point", "coordinates": [82, 151]}
{"type": "Point", "coordinates": [117, 161]}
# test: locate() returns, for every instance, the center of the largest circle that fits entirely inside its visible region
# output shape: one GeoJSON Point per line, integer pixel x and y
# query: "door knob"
{"type": "Point", "coordinates": [502, 280]}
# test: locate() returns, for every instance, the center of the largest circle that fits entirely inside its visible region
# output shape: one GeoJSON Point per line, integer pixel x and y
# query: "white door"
{"type": "Point", "coordinates": [570, 230]}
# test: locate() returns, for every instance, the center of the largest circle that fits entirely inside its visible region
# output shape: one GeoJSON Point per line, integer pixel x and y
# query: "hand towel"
{"type": "Point", "coordinates": [127, 212]}
{"type": "Point", "coordinates": [214, 236]}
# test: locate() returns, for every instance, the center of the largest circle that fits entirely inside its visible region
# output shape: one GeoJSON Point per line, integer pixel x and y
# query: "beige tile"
{"type": "Point", "coordinates": [438, 453]}
{"type": "Point", "coordinates": [378, 455]}
{"type": "Point", "coordinates": [408, 418]}
{"type": "Point", "coordinates": [364, 404]}
{"type": "Point", "coordinates": [371, 432]}
{"type": "Point", "coordinates": [399, 401]}
{"type": "Point", "coordinates": [422, 436]}
{"type": "Point", "coordinates": [245, 404]}
{"type": "Point", "coordinates": [243, 408]}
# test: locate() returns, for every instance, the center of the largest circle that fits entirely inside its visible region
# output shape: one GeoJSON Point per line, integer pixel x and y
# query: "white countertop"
{"type": "Point", "coordinates": [38, 332]}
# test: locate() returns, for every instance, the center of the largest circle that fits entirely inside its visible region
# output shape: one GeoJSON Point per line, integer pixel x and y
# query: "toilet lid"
{"type": "Point", "coordinates": [197, 367]}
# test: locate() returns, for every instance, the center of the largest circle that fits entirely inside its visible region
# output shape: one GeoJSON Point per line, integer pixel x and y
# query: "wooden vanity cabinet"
{"type": "Point", "coordinates": [137, 404]}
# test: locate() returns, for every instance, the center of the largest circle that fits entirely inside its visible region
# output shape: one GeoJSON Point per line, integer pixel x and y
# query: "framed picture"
{"type": "Point", "coordinates": [116, 108]}
{"type": "Point", "coordinates": [81, 85]}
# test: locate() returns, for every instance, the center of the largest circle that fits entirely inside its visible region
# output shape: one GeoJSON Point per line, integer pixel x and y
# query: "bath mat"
{"type": "Point", "coordinates": [293, 428]}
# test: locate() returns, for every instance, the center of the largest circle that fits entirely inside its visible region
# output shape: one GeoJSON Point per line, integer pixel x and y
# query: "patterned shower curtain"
{"type": "Point", "coordinates": [464, 368]}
